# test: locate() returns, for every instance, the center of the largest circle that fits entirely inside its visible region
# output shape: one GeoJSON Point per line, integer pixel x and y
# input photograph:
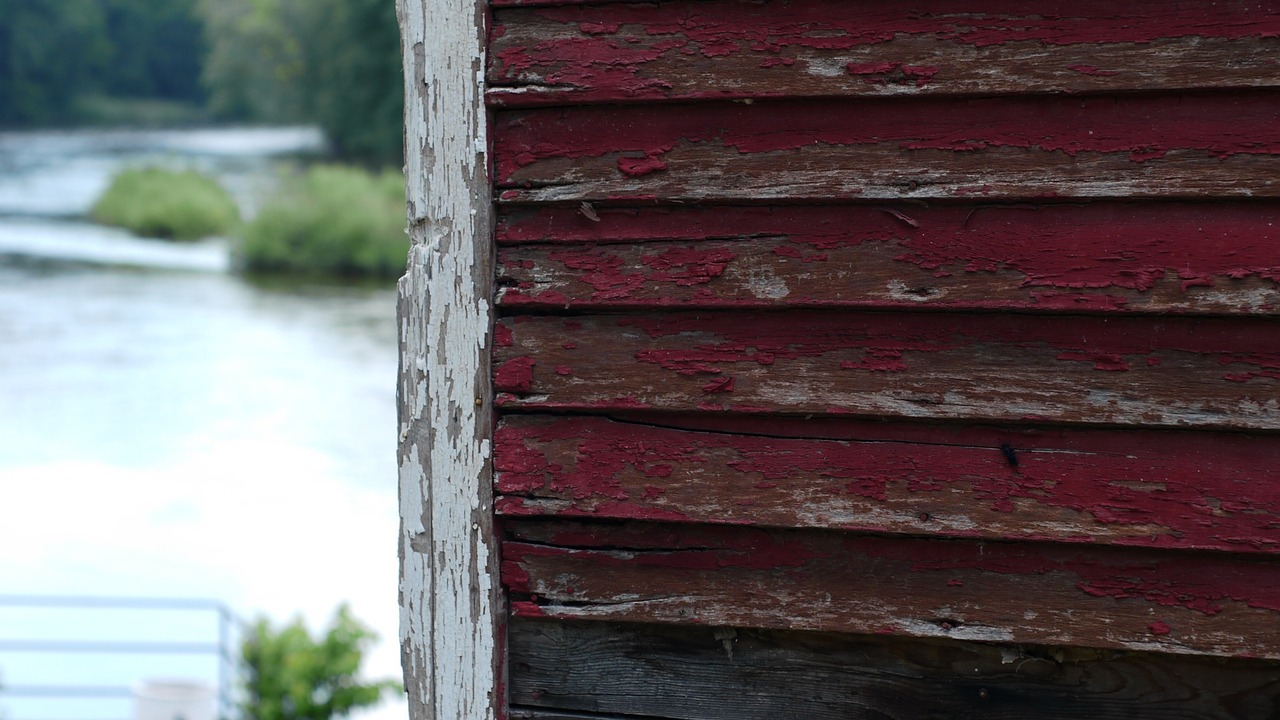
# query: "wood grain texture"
{"type": "Point", "coordinates": [450, 601]}
{"type": "Point", "coordinates": [998, 148]}
{"type": "Point", "coordinates": [528, 713]}
{"type": "Point", "coordinates": [1105, 597]}
{"type": "Point", "coordinates": [1102, 257]}
{"type": "Point", "coordinates": [1174, 490]}
{"type": "Point", "coordinates": [1207, 373]}
{"type": "Point", "coordinates": [950, 327]}
{"type": "Point", "coordinates": [703, 673]}
{"type": "Point", "coordinates": [802, 48]}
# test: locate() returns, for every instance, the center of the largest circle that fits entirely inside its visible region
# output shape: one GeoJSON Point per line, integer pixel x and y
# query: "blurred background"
{"type": "Point", "coordinates": [201, 221]}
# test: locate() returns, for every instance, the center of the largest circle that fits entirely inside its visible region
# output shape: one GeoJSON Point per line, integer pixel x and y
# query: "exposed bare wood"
{"type": "Point", "coordinates": [1207, 373]}
{"type": "Point", "coordinates": [709, 673]}
{"type": "Point", "coordinates": [999, 148]}
{"type": "Point", "coordinates": [1106, 597]}
{"type": "Point", "coordinates": [806, 48]}
{"type": "Point", "coordinates": [1175, 490]}
{"type": "Point", "coordinates": [448, 587]}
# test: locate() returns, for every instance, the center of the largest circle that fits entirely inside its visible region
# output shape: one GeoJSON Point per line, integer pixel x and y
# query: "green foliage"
{"type": "Point", "coordinates": [332, 62]}
{"type": "Point", "coordinates": [157, 48]}
{"type": "Point", "coordinates": [337, 221]}
{"type": "Point", "coordinates": [254, 64]}
{"type": "Point", "coordinates": [53, 53]}
{"type": "Point", "coordinates": [335, 63]}
{"type": "Point", "coordinates": [163, 203]}
{"type": "Point", "coordinates": [358, 66]}
{"type": "Point", "coordinates": [292, 676]}
{"type": "Point", "coordinates": [105, 110]}
{"type": "Point", "coordinates": [49, 53]}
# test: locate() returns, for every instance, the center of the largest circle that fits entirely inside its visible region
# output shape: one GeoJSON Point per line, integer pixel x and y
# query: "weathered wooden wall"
{"type": "Point", "coordinates": [947, 332]}
{"type": "Point", "coordinates": [451, 614]}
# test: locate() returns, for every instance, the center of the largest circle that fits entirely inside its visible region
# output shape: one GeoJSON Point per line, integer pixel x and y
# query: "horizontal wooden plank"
{"type": "Point", "coordinates": [806, 48]}
{"type": "Point", "coordinates": [702, 673]}
{"type": "Point", "coordinates": [535, 713]}
{"type": "Point", "coordinates": [1221, 258]}
{"type": "Point", "coordinates": [1127, 598]}
{"type": "Point", "coordinates": [1175, 490]}
{"type": "Point", "coordinates": [1206, 373]}
{"type": "Point", "coordinates": [1029, 147]}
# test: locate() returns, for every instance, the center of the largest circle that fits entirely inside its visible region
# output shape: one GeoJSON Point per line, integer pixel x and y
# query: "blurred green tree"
{"type": "Point", "coordinates": [292, 676]}
{"type": "Point", "coordinates": [254, 66]}
{"type": "Point", "coordinates": [157, 48]}
{"type": "Point", "coordinates": [332, 62]}
{"type": "Point", "coordinates": [53, 54]}
{"type": "Point", "coordinates": [50, 53]}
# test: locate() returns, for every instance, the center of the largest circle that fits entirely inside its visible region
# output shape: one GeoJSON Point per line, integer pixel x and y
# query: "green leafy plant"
{"type": "Point", "coordinates": [289, 675]}
{"type": "Point", "coordinates": [335, 221]}
{"type": "Point", "coordinates": [165, 203]}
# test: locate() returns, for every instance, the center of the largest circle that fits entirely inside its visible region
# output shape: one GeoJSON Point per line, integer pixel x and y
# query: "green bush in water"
{"type": "Point", "coordinates": [337, 221]}
{"type": "Point", "coordinates": [155, 202]}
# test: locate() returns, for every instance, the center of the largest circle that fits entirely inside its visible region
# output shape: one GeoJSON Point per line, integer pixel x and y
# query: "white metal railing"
{"type": "Point", "coordinates": [81, 658]}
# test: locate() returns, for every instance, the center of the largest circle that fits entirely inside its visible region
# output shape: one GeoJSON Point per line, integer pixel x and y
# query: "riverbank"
{"type": "Point", "coordinates": [172, 429]}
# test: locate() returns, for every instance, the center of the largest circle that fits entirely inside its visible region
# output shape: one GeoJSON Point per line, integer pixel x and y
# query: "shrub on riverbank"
{"type": "Point", "coordinates": [333, 220]}
{"type": "Point", "coordinates": [165, 203]}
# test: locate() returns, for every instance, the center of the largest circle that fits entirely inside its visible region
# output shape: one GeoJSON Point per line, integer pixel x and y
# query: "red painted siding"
{"type": "Point", "coordinates": [917, 320]}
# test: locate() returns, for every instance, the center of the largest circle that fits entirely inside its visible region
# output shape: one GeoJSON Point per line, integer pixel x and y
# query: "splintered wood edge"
{"type": "Point", "coordinates": [449, 597]}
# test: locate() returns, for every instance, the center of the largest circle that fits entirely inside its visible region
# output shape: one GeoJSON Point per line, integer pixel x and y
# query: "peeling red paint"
{"type": "Point", "coordinates": [1100, 360]}
{"type": "Point", "coordinates": [882, 73]}
{"type": "Point", "coordinates": [1161, 486]}
{"type": "Point", "coordinates": [810, 23]}
{"type": "Point", "coordinates": [515, 375]}
{"type": "Point", "coordinates": [526, 608]}
{"type": "Point", "coordinates": [825, 578]}
{"type": "Point", "coordinates": [875, 68]}
{"type": "Point", "coordinates": [1093, 70]}
{"type": "Point", "coordinates": [883, 360]}
{"type": "Point", "coordinates": [1244, 123]}
{"type": "Point", "coordinates": [798, 253]}
{"type": "Point", "coordinates": [637, 167]}
{"type": "Point", "coordinates": [1108, 522]}
{"type": "Point", "coordinates": [990, 366]}
{"type": "Point", "coordinates": [618, 44]}
{"type": "Point", "coordinates": [1062, 257]}
{"type": "Point", "coordinates": [687, 266]}
{"type": "Point", "coordinates": [502, 336]}
{"type": "Point", "coordinates": [719, 385]}
{"type": "Point", "coordinates": [769, 337]}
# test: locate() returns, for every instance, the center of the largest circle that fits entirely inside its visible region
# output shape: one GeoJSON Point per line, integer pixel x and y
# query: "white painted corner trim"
{"type": "Point", "coordinates": [449, 602]}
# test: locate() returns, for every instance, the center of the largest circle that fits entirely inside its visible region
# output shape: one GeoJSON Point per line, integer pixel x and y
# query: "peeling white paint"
{"type": "Point", "coordinates": [828, 67]}
{"type": "Point", "coordinates": [448, 588]}
{"type": "Point", "coordinates": [764, 284]}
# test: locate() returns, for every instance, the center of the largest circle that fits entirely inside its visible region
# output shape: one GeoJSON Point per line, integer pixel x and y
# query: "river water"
{"type": "Point", "coordinates": [170, 429]}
